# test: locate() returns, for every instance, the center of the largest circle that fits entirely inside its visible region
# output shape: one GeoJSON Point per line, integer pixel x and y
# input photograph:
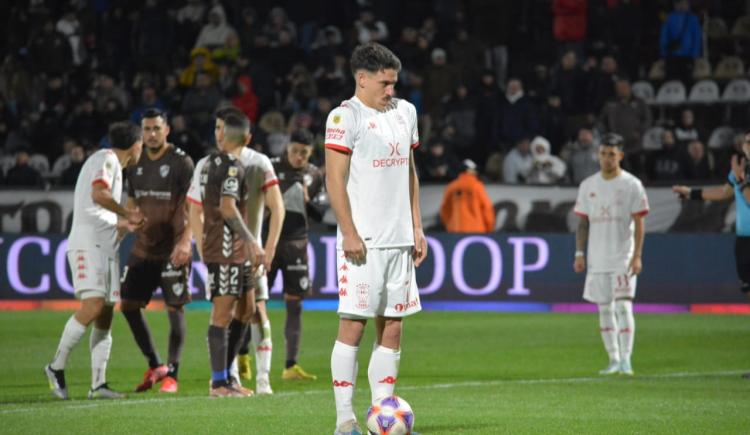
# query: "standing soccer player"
{"type": "Point", "coordinates": [374, 191]}
{"type": "Point", "coordinates": [226, 245]}
{"type": "Point", "coordinates": [161, 256]}
{"type": "Point", "coordinates": [98, 223]}
{"type": "Point", "coordinates": [300, 181]}
{"type": "Point", "coordinates": [737, 188]}
{"type": "Point", "coordinates": [612, 204]}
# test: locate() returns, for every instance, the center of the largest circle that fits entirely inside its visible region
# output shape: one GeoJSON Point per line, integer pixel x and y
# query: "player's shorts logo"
{"type": "Point", "coordinates": [363, 296]}
{"type": "Point", "coordinates": [304, 282]}
{"type": "Point", "coordinates": [177, 288]}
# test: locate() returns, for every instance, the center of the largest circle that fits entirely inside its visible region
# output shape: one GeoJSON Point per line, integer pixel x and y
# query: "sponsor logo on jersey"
{"type": "Point", "coordinates": [394, 158]}
{"type": "Point", "coordinates": [231, 185]}
{"type": "Point", "coordinates": [335, 133]}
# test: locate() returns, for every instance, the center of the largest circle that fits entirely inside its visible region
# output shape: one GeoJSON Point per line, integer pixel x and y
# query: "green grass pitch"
{"type": "Point", "coordinates": [472, 373]}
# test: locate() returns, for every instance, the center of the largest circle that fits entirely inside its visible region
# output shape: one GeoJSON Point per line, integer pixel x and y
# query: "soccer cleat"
{"type": "Point", "coordinates": [168, 385]}
{"type": "Point", "coordinates": [224, 391]}
{"type": "Point", "coordinates": [263, 386]}
{"type": "Point", "coordinates": [104, 392]}
{"type": "Point", "coordinates": [244, 364]}
{"type": "Point", "coordinates": [237, 386]}
{"type": "Point", "coordinates": [350, 427]}
{"type": "Point", "coordinates": [297, 373]}
{"type": "Point", "coordinates": [746, 376]}
{"type": "Point", "coordinates": [56, 379]}
{"type": "Point", "coordinates": [612, 368]}
{"type": "Point", "coordinates": [151, 377]}
{"type": "Point", "coordinates": [626, 368]}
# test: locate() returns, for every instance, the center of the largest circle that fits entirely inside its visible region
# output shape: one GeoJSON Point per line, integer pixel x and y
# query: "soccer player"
{"type": "Point", "coordinates": [226, 245]}
{"type": "Point", "coordinates": [737, 188]}
{"type": "Point", "coordinates": [161, 256]}
{"type": "Point", "coordinates": [612, 204]}
{"type": "Point", "coordinates": [374, 192]}
{"type": "Point", "coordinates": [98, 223]}
{"type": "Point", "coordinates": [300, 181]}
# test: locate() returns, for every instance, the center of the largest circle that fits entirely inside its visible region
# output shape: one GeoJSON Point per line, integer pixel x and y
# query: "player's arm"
{"type": "Point", "coordinates": [182, 250]}
{"type": "Point", "coordinates": [102, 196]}
{"type": "Point", "coordinates": [420, 242]}
{"type": "Point", "coordinates": [337, 171]}
{"type": "Point", "coordinates": [716, 193]}
{"type": "Point", "coordinates": [582, 239]}
{"type": "Point", "coordinates": [636, 264]}
{"type": "Point", "coordinates": [233, 218]}
{"type": "Point", "coordinates": [275, 203]}
{"type": "Point", "coordinates": [195, 222]}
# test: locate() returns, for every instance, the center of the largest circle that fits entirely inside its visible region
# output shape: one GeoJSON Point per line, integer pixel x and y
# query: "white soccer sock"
{"type": "Point", "coordinates": [233, 370]}
{"type": "Point", "coordinates": [344, 374]}
{"type": "Point", "coordinates": [72, 334]}
{"type": "Point", "coordinates": [626, 322]}
{"type": "Point", "coordinates": [263, 349]}
{"type": "Point", "coordinates": [608, 329]}
{"type": "Point", "coordinates": [100, 344]}
{"type": "Point", "coordinates": [383, 371]}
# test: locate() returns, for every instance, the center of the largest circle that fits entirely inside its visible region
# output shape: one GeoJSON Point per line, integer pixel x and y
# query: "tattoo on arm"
{"type": "Point", "coordinates": [239, 227]}
{"type": "Point", "coordinates": [582, 234]}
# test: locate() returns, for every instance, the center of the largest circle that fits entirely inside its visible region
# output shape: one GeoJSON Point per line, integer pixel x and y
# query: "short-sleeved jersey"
{"type": "Point", "coordinates": [195, 191]}
{"type": "Point", "coordinates": [293, 182]}
{"type": "Point", "coordinates": [380, 144]}
{"type": "Point", "coordinates": [741, 205]}
{"type": "Point", "coordinates": [259, 176]}
{"type": "Point", "coordinates": [224, 177]}
{"type": "Point", "coordinates": [159, 188]}
{"type": "Point", "coordinates": [94, 227]}
{"type": "Point", "coordinates": [610, 206]}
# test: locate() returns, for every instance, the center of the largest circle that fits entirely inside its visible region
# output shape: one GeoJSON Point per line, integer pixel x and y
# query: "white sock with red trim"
{"type": "Point", "coordinates": [344, 373]}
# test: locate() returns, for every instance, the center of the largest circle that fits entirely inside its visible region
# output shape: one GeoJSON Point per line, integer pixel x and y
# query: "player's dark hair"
{"type": "Point", "coordinates": [238, 121]}
{"type": "Point", "coordinates": [154, 112]}
{"type": "Point", "coordinates": [613, 140]}
{"type": "Point", "coordinates": [373, 57]}
{"type": "Point", "coordinates": [223, 112]}
{"type": "Point", "coordinates": [302, 136]}
{"type": "Point", "coordinates": [123, 134]}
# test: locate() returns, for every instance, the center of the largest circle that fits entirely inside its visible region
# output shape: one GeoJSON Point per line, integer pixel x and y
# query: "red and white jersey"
{"type": "Point", "coordinates": [94, 227]}
{"type": "Point", "coordinates": [610, 206]}
{"type": "Point", "coordinates": [250, 159]}
{"type": "Point", "coordinates": [380, 144]}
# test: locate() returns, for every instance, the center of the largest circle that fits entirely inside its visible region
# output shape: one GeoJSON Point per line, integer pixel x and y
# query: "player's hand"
{"type": "Point", "coordinates": [135, 217]}
{"type": "Point", "coordinates": [181, 254]}
{"type": "Point", "coordinates": [636, 266]}
{"type": "Point", "coordinates": [354, 249]}
{"type": "Point", "coordinates": [256, 254]}
{"type": "Point", "coordinates": [738, 168]}
{"type": "Point", "coordinates": [579, 265]}
{"type": "Point", "coordinates": [682, 191]}
{"type": "Point", "coordinates": [420, 247]}
{"type": "Point", "coordinates": [124, 225]}
{"type": "Point", "coordinates": [270, 253]}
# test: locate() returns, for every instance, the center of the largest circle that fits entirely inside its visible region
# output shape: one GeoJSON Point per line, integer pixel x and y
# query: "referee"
{"type": "Point", "coordinates": [738, 188]}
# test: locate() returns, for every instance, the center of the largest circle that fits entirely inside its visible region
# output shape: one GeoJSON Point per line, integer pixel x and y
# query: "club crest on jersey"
{"type": "Point", "coordinates": [307, 179]}
{"type": "Point", "coordinates": [363, 296]}
{"type": "Point", "coordinates": [164, 171]}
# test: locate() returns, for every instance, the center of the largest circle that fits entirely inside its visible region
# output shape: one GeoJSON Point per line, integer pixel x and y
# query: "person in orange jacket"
{"type": "Point", "coordinates": [466, 206]}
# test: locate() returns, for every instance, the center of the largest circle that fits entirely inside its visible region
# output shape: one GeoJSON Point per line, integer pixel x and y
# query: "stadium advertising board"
{"type": "Point", "coordinates": [501, 267]}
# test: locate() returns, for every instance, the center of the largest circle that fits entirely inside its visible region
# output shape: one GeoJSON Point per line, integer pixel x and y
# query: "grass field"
{"type": "Point", "coordinates": [473, 373]}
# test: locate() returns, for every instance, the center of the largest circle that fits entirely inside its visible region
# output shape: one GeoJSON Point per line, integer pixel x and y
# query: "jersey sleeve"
{"type": "Point", "coordinates": [316, 182]}
{"type": "Point", "coordinates": [414, 127]}
{"type": "Point", "coordinates": [105, 171]}
{"type": "Point", "coordinates": [340, 130]}
{"type": "Point", "coordinates": [582, 203]}
{"type": "Point", "coordinates": [194, 191]}
{"type": "Point", "coordinates": [269, 173]}
{"type": "Point", "coordinates": [229, 174]}
{"type": "Point", "coordinates": [639, 204]}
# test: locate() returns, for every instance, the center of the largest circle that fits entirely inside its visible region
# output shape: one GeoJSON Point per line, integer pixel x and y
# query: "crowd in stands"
{"type": "Point", "coordinates": [523, 88]}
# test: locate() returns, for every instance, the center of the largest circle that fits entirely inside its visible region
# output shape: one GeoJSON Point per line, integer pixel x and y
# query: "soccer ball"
{"type": "Point", "coordinates": [390, 416]}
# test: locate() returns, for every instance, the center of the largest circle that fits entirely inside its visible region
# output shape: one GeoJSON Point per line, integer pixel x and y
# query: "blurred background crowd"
{"type": "Point", "coordinates": [523, 88]}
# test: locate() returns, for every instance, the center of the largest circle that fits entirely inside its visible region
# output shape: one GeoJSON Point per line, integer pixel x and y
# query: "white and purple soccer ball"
{"type": "Point", "coordinates": [390, 416]}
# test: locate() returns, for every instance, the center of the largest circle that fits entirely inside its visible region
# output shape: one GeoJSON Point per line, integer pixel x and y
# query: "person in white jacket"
{"type": "Point", "coordinates": [547, 169]}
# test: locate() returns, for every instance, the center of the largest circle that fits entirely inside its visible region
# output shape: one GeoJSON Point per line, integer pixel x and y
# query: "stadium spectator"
{"type": "Point", "coordinates": [105, 89]}
{"type": "Point", "coordinates": [461, 115]}
{"type": "Point", "coordinates": [466, 207]}
{"type": "Point", "coordinates": [552, 122]}
{"type": "Point", "coordinates": [680, 42]}
{"type": "Point", "coordinates": [153, 37]}
{"type": "Point", "coordinates": [439, 164]}
{"type": "Point", "coordinates": [49, 52]}
{"type": "Point", "coordinates": [277, 23]}
{"type": "Point", "coordinates": [602, 84]}
{"type": "Point", "coordinates": [582, 156]}
{"type": "Point", "coordinates": [699, 163]}
{"type": "Point", "coordinates": [629, 117]}
{"type": "Point", "coordinates": [200, 62]}
{"type": "Point", "coordinates": [215, 33]}
{"type": "Point", "coordinates": [488, 113]}
{"type": "Point", "coordinates": [199, 104]}
{"type": "Point", "coordinates": [246, 100]}
{"type": "Point", "coordinates": [272, 133]}
{"type": "Point", "coordinates": [518, 118]}
{"type": "Point", "coordinates": [70, 27]}
{"type": "Point", "coordinates": [85, 123]}
{"type": "Point", "coordinates": [569, 26]}
{"type": "Point", "coordinates": [441, 79]}
{"type": "Point", "coordinates": [667, 164]}
{"type": "Point", "coordinates": [569, 82]}
{"type": "Point", "coordinates": [685, 131]}
{"type": "Point", "coordinates": [546, 169]}
{"type": "Point", "coordinates": [467, 54]}
{"type": "Point", "coordinates": [185, 138]}
{"type": "Point", "coordinates": [189, 20]}
{"type": "Point", "coordinates": [518, 163]}
{"type": "Point", "coordinates": [149, 100]}
{"type": "Point", "coordinates": [22, 174]}
{"type": "Point", "coordinates": [69, 176]}
{"type": "Point", "coordinates": [369, 28]}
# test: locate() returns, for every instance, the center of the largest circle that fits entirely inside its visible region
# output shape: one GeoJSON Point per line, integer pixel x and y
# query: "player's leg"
{"type": "Point", "coordinates": [608, 331]}
{"type": "Point", "coordinates": [624, 292]}
{"type": "Point", "coordinates": [140, 279]}
{"type": "Point", "coordinates": [238, 329]}
{"type": "Point", "coordinates": [344, 370]}
{"type": "Point", "coordinates": [386, 355]}
{"type": "Point", "coordinates": [176, 290]}
{"type": "Point", "coordinates": [296, 287]}
{"type": "Point", "coordinates": [742, 262]}
{"type": "Point", "coordinates": [261, 337]}
{"type": "Point", "coordinates": [100, 344]}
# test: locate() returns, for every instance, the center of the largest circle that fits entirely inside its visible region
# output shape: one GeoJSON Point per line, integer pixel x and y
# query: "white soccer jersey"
{"type": "Point", "coordinates": [380, 144]}
{"type": "Point", "coordinates": [94, 227]}
{"type": "Point", "coordinates": [610, 206]}
{"type": "Point", "coordinates": [248, 158]}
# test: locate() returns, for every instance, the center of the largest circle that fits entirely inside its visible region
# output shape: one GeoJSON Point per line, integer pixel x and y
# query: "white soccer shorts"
{"type": "Point", "coordinates": [385, 285]}
{"type": "Point", "coordinates": [603, 288]}
{"type": "Point", "coordinates": [95, 275]}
